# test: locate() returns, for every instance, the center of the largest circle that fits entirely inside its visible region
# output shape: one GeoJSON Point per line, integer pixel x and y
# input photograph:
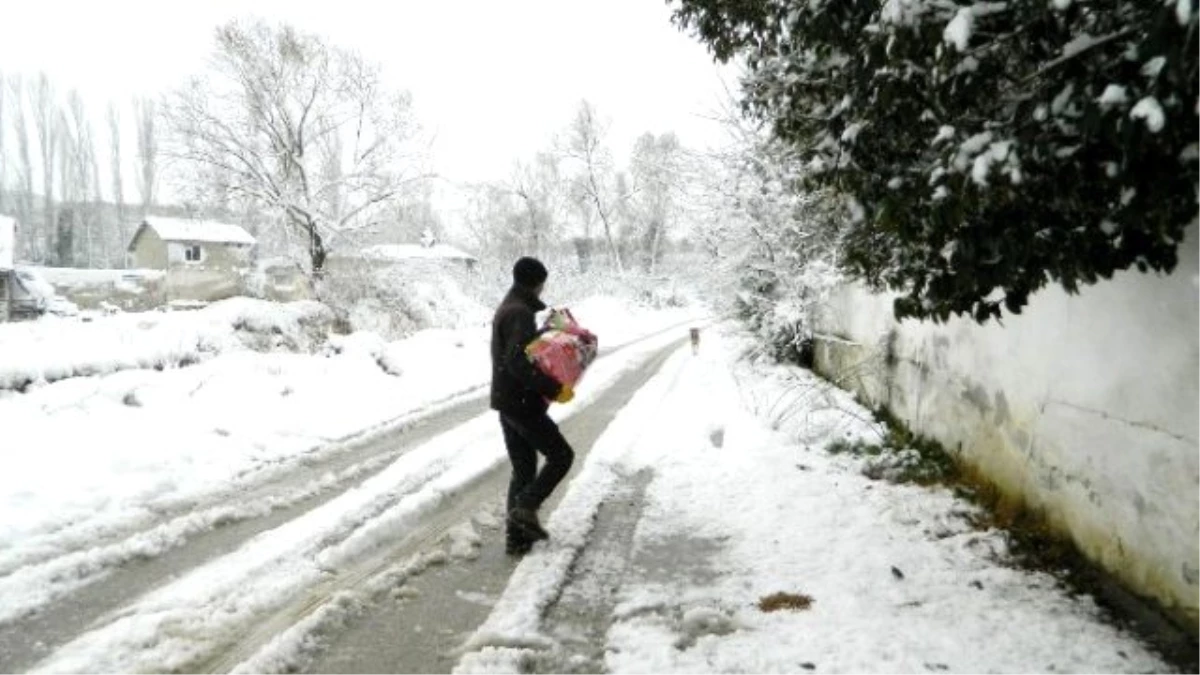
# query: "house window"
{"type": "Point", "coordinates": [191, 253]}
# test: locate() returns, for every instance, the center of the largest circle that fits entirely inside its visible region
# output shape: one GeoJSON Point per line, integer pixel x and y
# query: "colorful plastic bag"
{"type": "Point", "coordinates": [564, 349]}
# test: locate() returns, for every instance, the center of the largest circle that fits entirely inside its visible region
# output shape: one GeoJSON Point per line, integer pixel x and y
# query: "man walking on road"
{"type": "Point", "coordinates": [521, 393]}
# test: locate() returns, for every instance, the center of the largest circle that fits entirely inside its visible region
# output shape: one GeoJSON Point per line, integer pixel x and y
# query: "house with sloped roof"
{"type": "Point", "coordinates": [203, 260]}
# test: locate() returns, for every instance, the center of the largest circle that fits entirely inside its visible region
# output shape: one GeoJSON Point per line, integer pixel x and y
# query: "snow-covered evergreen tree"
{"type": "Point", "coordinates": [986, 147]}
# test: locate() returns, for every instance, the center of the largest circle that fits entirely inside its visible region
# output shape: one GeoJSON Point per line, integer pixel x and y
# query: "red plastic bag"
{"type": "Point", "coordinates": [564, 350]}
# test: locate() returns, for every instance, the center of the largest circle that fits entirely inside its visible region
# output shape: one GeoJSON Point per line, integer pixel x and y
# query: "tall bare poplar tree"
{"type": "Point", "coordinates": [3, 152]}
{"type": "Point", "coordinates": [31, 244]}
{"type": "Point", "coordinates": [118, 185]}
{"type": "Point", "coordinates": [585, 144]}
{"type": "Point", "coordinates": [145, 115]}
{"type": "Point", "coordinates": [46, 123]}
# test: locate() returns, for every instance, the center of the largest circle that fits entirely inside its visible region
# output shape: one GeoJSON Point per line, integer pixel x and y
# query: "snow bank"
{"type": "Point", "coordinates": [54, 349]}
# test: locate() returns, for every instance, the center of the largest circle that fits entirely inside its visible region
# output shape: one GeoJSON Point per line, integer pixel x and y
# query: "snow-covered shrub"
{"type": "Point", "coordinates": [395, 302]}
{"type": "Point", "coordinates": [267, 326]}
{"type": "Point", "coordinates": [773, 249]}
{"type": "Point", "coordinates": [899, 458]}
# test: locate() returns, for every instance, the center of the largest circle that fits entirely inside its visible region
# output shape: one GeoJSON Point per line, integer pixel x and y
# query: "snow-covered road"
{"type": "Point", "coordinates": [76, 563]}
{"type": "Point", "coordinates": [705, 536]}
{"type": "Point", "coordinates": [694, 503]}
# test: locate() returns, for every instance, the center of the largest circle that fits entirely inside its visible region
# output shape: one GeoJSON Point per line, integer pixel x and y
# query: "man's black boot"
{"type": "Point", "coordinates": [526, 520]}
{"type": "Point", "coordinates": [517, 546]}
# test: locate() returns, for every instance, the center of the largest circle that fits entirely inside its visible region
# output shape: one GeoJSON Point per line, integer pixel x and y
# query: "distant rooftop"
{"type": "Point", "coordinates": [200, 231]}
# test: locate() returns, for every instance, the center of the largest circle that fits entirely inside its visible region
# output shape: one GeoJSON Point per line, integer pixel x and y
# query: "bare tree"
{"type": "Point", "coordinates": [96, 208]}
{"type": "Point", "coordinates": [585, 144]}
{"type": "Point", "coordinates": [332, 150]}
{"type": "Point", "coordinates": [145, 115]}
{"type": "Point", "coordinates": [580, 199]}
{"type": "Point", "coordinates": [118, 184]}
{"type": "Point", "coordinates": [67, 212]}
{"type": "Point", "coordinates": [46, 122]}
{"type": "Point", "coordinates": [539, 186]}
{"type": "Point", "coordinates": [411, 213]}
{"type": "Point", "coordinates": [490, 208]}
{"type": "Point", "coordinates": [79, 182]}
{"type": "Point", "coordinates": [657, 170]}
{"type": "Point", "coordinates": [3, 154]}
{"type": "Point", "coordinates": [272, 100]}
{"type": "Point", "coordinates": [31, 243]}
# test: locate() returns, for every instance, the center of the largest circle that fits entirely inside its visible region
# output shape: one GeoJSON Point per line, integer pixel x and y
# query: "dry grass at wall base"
{"type": "Point", "coordinates": [781, 601]}
{"type": "Point", "coordinates": [1033, 543]}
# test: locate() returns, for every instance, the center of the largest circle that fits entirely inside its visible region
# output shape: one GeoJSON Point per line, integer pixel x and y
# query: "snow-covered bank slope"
{"type": "Point", "coordinates": [52, 348]}
{"type": "Point", "coordinates": [736, 512]}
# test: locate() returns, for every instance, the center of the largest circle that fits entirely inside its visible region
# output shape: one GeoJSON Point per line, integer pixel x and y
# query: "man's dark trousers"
{"type": "Point", "coordinates": [525, 436]}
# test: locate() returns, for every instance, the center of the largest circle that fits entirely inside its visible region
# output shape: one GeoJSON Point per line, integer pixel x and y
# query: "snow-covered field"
{"type": "Point", "coordinates": [108, 458]}
{"type": "Point", "coordinates": [745, 504]}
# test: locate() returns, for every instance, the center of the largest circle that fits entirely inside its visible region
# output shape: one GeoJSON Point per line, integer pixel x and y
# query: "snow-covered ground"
{"type": "Point", "coordinates": [742, 503]}
{"type": "Point", "coordinates": [745, 503]}
{"type": "Point", "coordinates": [53, 348]}
{"type": "Point", "coordinates": [172, 626]}
{"type": "Point", "coordinates": [108, 458]}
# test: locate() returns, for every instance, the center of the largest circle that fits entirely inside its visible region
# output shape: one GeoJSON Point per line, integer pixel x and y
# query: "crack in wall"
{"type": "Point", "coordinates": [1133, 423]}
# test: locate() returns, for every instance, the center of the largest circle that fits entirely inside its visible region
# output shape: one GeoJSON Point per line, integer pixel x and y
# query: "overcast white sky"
{"type": "Point", "coordinates": [493, 80]}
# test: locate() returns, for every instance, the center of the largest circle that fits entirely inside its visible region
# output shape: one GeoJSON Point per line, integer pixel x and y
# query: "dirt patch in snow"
{"type": "Point", "coordinates": [781, 601]}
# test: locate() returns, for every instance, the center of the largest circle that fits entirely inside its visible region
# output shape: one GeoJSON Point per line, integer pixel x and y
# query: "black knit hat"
{"type": "Point", "coordinates": [529, 272]}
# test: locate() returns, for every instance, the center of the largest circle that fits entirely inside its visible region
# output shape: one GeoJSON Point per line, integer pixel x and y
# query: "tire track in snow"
{"type": "Point", "coordinates": [94, 576]}
{"type": "Point", "coordinates": [239, 535]}
{"type": "Point", "coordinates": [416, 619]}
{"type": "Point", "coordinates": [275, 484]}
{"type": "Point", "coordinates": [28, 637]}
{"type": "Point", "coordinates": [484, 490]}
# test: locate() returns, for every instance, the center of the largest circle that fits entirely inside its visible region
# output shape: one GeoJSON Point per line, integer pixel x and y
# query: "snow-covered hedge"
{"type": "Point", "coordinates": [988, 148]}
{"type": "Point", "coordinates": [53, 349]}
{"type": "Point", "coordinates": [395, 301]}
{"type": "Point", "coordinates": [771, 251]}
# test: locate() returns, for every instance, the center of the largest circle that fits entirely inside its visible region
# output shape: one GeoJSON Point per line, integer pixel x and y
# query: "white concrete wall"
{"type": "Point", "coordinates": [1085, 407]}
{"type": "Point", "coordinates": [219, 273]}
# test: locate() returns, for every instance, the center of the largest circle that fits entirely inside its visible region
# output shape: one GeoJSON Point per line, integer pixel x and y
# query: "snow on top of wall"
{"type": "Point", "coordinates": [75, 278]}
{"type": "Point", "coordinates": [207, 231]}
{"type": "Point", "coordinates": [8, 242]}
{"type": "Point", "coordinates": [410, 251]}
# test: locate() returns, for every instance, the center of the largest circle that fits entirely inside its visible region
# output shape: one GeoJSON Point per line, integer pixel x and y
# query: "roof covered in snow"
{"type": "Point", "coordinates": [8, 242]}
{"type": "Point", "coordinates": [200, 231]}
{"type": "Point", "coordinates": [412, 251]}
